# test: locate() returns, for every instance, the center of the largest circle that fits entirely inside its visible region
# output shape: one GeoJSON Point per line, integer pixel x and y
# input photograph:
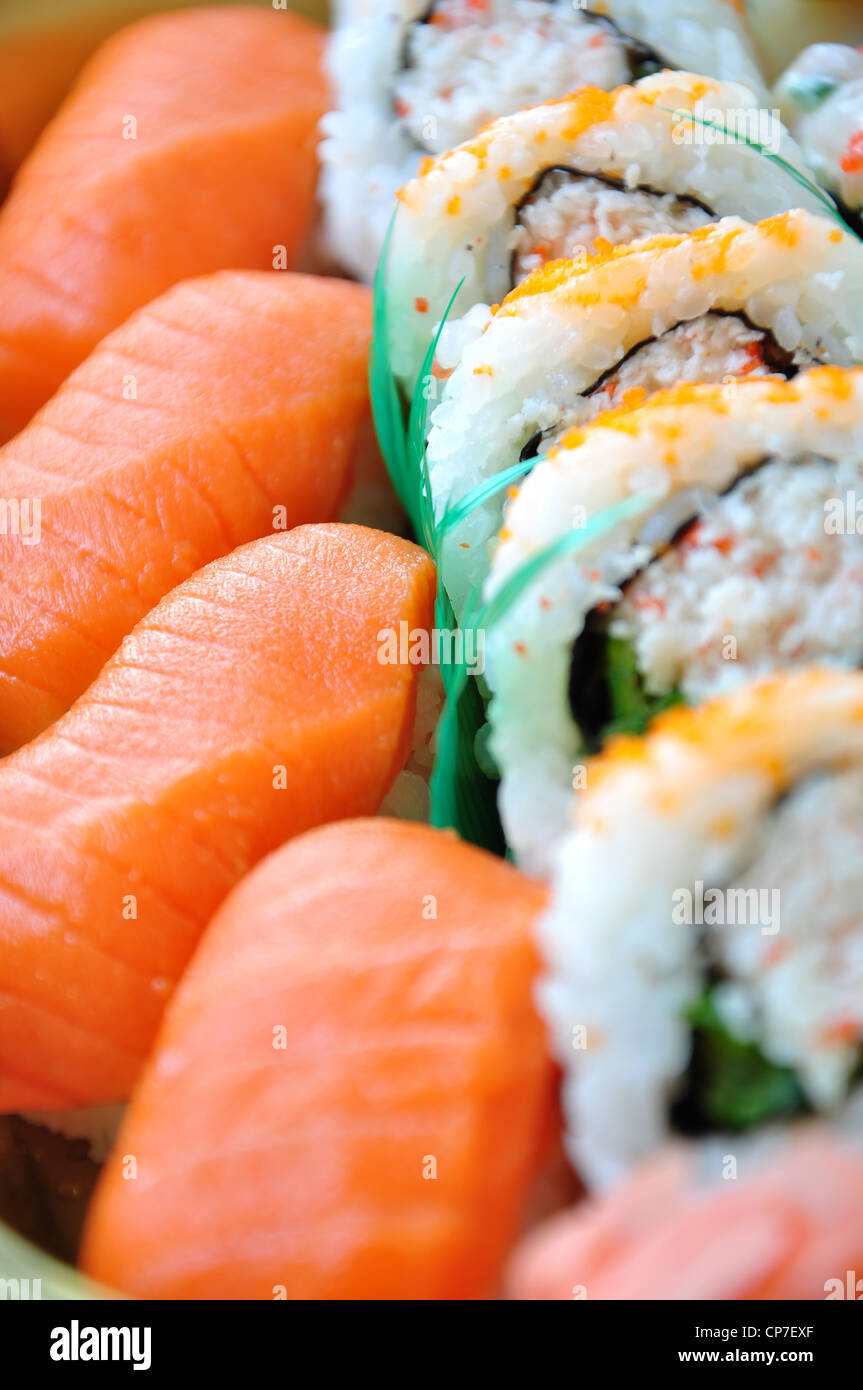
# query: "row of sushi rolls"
{"type": "Point", "coordinates": [431, 632]}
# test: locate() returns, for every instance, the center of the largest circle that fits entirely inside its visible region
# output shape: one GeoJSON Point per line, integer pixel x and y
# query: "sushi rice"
{"type": "Point", "coordinates": [592, 169]}
{"type": "Point", "coordinates": [719, 859]}
{"type": "Point", "coordinates": [409, 798]}
{"type": "Point", "coordinates": [741, 560]}
{"type": "Point", "coordinates": [726, 300]}
{"type": "Point", "coordinates": [821, 96]}
{"type": "Point", "coordinates": [410, 81]}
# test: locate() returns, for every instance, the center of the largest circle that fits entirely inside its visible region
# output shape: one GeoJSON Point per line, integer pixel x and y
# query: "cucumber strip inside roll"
{"type": "Point", "coordinates": [730, 1084]}
{"type": "Point", "coordinates": [607, 693]}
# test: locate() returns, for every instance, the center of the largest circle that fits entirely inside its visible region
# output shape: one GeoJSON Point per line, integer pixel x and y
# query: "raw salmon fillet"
{"type": "Point", "coordinates": [248, 706]}
{"type": "Point", "coordinates": [350, 1095]}
{"type": "Point", "coordinates": [230, 406]}
{"type": "Point", "coordinates": [186, 146]}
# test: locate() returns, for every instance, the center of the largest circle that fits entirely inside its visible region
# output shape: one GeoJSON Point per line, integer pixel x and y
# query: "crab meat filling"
{"type": "Point", "coordinates": [766, 576]}
{"type": "Point", "coordinates": [568, 214]}
{"type": "Point", "coordinates": [761, 580]}
{"type": "Point", "coordinates": [469, 61]}
{"type": "Point", "coordinates": [716, 347]}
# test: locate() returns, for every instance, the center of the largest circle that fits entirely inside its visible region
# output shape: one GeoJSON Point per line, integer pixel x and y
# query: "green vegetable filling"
{"type": "Point", "coordinates": [607, 695]}
{"type": "Point", "coordinates": [808, 93]}
{"type": "Point", "coordinates": [730, 1084]}
{"type": "Point", "coordinates": [632, 707]}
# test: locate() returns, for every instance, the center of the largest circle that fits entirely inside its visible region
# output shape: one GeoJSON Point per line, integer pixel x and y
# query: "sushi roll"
{"type": "Point", "coordinates": [670, 153]}
{"type": "Point", "coordinates": [788, 1226]}
{"type": "Point", "coordinates": [579, 337]}
{"type": "Point", "coordinates": [740, 555]}
{"type": "Point", "coordinates": [413, 79]}
{"type": "Point", "coordinates": [704, 944]}
{"type": "Point", "coordinates": [821, 96]}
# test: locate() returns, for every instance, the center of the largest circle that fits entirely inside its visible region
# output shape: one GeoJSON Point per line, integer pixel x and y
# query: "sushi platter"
{"type": "Point", "coordinates": [431, 652]}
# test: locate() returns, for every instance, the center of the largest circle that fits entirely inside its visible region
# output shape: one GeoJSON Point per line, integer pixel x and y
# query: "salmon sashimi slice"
{"type": "Point", "coordinates": [43, 48]}
{"type": "Point", "coordinates": [229, 406]}
{"type": "Point", "coordinates": [186, 146]}
{"type": "Point", "coordinates": [350, 1094]}
{"type": "Point", "coordinates": [248, 706]}
{"type": "Point", "coordinates": [785, 1231]}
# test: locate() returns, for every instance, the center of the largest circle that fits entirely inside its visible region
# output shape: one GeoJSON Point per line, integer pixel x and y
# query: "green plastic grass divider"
{"type": "Point", "coordinates": [793, 172]}
{"type": "Point", "coordinates": [460, 790]}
